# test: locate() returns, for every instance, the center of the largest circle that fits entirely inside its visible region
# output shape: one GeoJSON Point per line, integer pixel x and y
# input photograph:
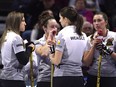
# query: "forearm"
{"type": "Point", "coordinates": [23, 57]}
{"type": "Point", "coordinates": [43, 50]}
{"type": "Point", "coordinates": [113, 55]}
{"type": "Point", "coordinates": [56, 57]}
{"type": "Point", "coordinates": [88, 56]}
{"type": "Point", "coordinates": [107, 51]}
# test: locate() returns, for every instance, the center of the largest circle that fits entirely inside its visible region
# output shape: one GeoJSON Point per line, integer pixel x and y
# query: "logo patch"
{"type": "Point", "coordinates": [19, 45]}
{"type": "Point", "coordinates": [58, 42]}
{"type": "Point", "coordinates": [110, 41]}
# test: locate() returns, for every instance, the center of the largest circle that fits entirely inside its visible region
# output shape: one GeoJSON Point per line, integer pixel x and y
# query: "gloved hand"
{"type": "Point", "coordinates": [52, 49]}
{"type": "Point", "coordinates": [104, 49]}
{"type": "Point", "coordinates": [30, 45]}
{"type": "Point", "coordinates": [99, 46]}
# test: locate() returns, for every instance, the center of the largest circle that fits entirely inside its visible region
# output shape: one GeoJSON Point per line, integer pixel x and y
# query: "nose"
{"type": "Point", "coordinates": [25, 23]}
{"type": "Point", "coordinates": [59, 20]}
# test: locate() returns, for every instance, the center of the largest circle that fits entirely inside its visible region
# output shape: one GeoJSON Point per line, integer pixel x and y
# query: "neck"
{"type": "Point", "coordinates": [105, 32]}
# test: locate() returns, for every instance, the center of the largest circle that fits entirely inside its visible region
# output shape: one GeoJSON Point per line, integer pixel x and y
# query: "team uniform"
{"type": "Point", "coordinates": [72, 46]}
{"type": "Point", "coordinates": [12, 71]}
{"type": "Point", "coordinates": [44, 66]}
{"type": "Point", "coordinates": [108, 65]}
{"type": "Point", "coordinates": [1, 66]}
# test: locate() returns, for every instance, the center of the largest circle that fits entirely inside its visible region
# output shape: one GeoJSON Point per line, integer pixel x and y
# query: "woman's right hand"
{"type": "Point", "coordinates": [51, 37]}
{"type": "Point", "coordinates": [97, 40]}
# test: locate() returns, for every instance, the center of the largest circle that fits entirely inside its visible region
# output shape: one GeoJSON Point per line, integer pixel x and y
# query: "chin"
{"type": "Point", "coordinates": [22, 30]}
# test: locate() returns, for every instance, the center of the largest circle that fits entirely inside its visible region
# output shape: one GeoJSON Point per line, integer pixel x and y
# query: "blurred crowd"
{"type": "Point", "coordinates": [86, 8]}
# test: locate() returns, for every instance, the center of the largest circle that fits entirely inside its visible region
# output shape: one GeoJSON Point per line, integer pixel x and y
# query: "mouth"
{"type": "Point", "coordinates": [97, 26]}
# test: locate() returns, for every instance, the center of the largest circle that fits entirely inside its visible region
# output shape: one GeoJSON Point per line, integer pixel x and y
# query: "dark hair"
{"type": "Point", "coordinates": [43, 18]}
{"type": "Point", "coordinates": [74, 17]}
{"type": "Point", "coordinates": [80, 0]}
{"type": "Point", "coordinates": [104, 16]}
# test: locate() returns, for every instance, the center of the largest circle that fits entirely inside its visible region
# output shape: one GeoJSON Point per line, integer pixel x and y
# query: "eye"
{"type": "Point", "coordinates": [97, 20]}
{"type": "Point", "coordinates": [94, 20]}
{"type": "Point", "coordinates": [54, 26]}
{"type": "Point", "coordinates": [87, 28]}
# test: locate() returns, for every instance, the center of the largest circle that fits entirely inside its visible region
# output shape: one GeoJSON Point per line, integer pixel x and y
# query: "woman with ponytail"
{"type": "Point", "coordinates": [69, 50]}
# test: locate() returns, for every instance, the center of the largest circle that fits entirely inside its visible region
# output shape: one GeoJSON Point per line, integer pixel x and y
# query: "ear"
{"type": "Point", "coordinates": [44, 28]}
{"type": "Point", "coordinates": [67, 21]}
{"type": "Point", "coordinates": [65, 18]}
{"type": "Point", "coordinates": [106, 23]}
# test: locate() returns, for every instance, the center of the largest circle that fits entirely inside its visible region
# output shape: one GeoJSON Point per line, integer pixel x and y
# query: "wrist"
{"type": "Point", "coordinates": [108, 50]}
{"type": "Point", "coordinates": [52, 49]}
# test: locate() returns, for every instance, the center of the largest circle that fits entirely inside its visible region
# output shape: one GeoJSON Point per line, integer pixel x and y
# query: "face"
{"type": "Point", "coordinates": [87, 28]}
{"type": "Point", "coordinates": [52, 25]}
{"type": "Point", "coordinates": [80, 4]}
{"type": "Point", "coordinates": [62, 21]}
{"type": "Point", "coordinates": [99, 22]}
{"type": "Point", "coordinates": [22, 25]}
{"type": "Point", "coordinates": [48, 3]}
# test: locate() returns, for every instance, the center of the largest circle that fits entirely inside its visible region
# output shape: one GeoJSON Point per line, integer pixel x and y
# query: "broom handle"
{"type": "Point", "coordinates": [31, 71]}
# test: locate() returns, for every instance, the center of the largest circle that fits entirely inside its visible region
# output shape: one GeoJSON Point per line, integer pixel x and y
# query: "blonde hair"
{"type": "Point", "coordinates": [13, 21]}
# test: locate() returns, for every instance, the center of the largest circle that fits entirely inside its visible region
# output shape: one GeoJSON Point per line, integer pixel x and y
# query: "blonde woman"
{"type": "Point", "coordinates": [13, 52]}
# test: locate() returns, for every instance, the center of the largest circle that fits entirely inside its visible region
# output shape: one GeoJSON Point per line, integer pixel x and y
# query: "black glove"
{"type": "Point", "coordinates": [27, 44]}
{"type": "Point", "coordinates": [107, 50]}
{"type": "Point", "coordinates": [31, 48]}
{"type": "Point", "coordinates": [99, 46]}
{"type": "Point", "coordinates": [52, 49]}
{"type": "Point", "coordinates": [104, 49]}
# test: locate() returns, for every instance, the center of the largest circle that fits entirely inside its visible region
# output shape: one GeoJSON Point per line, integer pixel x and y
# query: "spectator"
{"type": "Point", "coordinates": [80, 6]}
{"type": "Point", "coordinates": [35, 8]}
{"type": "Point", "coordinates": [88, 28]}
{"type": "Point", "coordinates": [108, 7]}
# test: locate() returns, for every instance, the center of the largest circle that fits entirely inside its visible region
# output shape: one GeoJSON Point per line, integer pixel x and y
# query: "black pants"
{"type": "Point", "coordinates": [12, 83]}
{"type": "Point", "coordinates": [0, 83]}
{"type": "Point", "coordinates": [104, 81]}
{"type": "Point", "coordinates": [68, 81]}
{"type": "Point", "coordinates": [43, 84]}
